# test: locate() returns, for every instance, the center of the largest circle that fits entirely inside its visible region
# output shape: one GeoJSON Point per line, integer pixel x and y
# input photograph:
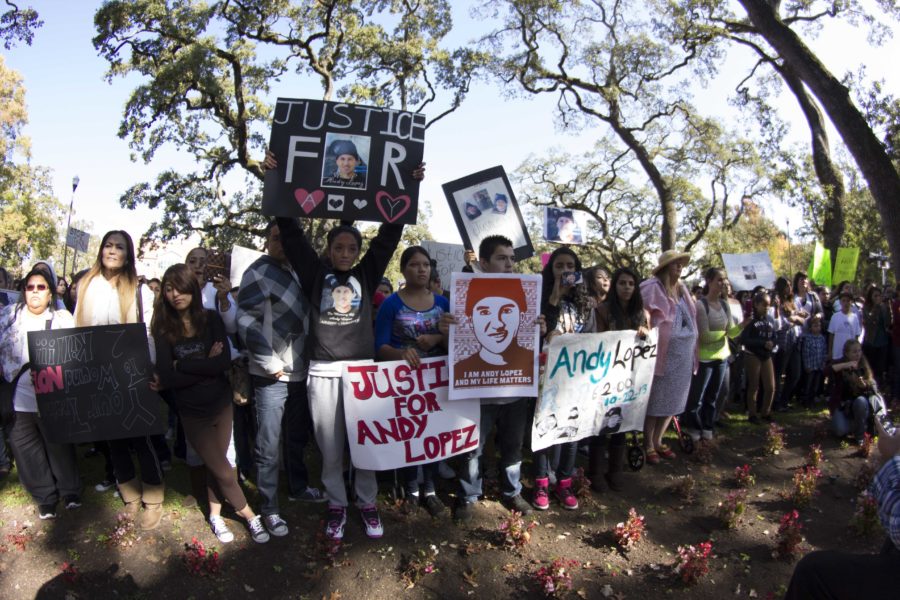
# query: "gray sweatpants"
{"type": "Point", "coordinates": [326, 407]}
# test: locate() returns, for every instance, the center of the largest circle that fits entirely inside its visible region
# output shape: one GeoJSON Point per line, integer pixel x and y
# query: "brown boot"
{"type": "Point", "coordinates": [198, 487]}
{"type": "Point", "coordinates": [595, 463]}
{"type": "Point", "coordinates": [130, 492]}
{"type": "Point", "coordinates": [153, 496]}
{"type": "Point", "coordinates": [614, 476]}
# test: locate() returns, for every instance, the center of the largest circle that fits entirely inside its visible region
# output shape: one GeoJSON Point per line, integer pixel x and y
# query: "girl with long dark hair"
{"type": "Point", "coordinates": [192, 357]}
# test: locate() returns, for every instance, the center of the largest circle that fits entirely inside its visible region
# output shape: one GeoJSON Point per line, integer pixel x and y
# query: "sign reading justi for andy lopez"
{"type": "Point", "coordinates": [344, 161]}
{"type": "Point", "coordinates": [594, 383]}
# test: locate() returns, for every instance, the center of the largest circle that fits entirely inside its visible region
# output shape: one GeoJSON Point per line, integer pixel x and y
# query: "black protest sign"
{"type": "Point", "coordinates": [92, 383]}
{"type": "Point", "coordinates": [344, 161]}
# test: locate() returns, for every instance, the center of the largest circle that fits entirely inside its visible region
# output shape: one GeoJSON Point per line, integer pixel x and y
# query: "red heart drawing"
{"type": "Point", "coordinates": [392, 208]}
{"type": "Point", "coordinates": [308, 201]}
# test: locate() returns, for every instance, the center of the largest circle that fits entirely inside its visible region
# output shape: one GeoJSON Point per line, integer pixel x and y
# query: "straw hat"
{"type": "Point", "coordinates": [668, 257]}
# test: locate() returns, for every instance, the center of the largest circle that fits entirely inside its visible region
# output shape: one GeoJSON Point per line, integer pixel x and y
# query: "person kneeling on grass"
{"type": "Point", "coordinates": [857, 389]}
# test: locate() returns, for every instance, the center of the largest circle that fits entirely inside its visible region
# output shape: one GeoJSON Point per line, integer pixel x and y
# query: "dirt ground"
{"type": "Point", "coordinates": [471, 562]}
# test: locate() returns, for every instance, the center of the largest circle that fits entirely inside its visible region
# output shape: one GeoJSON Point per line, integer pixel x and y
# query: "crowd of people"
{"type": "Point", "coordinates": [251, 373]}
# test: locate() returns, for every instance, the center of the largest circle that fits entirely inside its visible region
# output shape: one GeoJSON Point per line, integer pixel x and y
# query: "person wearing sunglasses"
{"type": "Point", "coordinates": [46, 470]}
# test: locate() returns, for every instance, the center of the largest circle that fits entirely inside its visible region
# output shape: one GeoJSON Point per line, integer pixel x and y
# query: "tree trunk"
{"type": "Point", "coordinates": [829, 177]}
{"type": "Point", "coordinates": [870, 155]}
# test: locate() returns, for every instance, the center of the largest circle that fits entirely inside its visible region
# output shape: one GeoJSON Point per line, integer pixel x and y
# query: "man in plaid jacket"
{"type": "Point", "coordinates": [273, 320]}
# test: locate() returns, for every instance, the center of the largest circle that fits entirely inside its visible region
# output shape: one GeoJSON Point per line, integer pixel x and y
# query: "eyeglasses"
{"type": "Point", "coordinates": [41, 287]}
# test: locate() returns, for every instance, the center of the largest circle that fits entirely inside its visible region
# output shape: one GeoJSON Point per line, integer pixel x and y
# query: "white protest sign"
{"type": "Point", "coordinates": [450, 258]}
{"type": "Point", "coordinates": [241, 258]}
{"type": "Point", "coordinates": [78, 239]}
{"type": "Point", "coordinates": [594, 383]}
{"type": "Point", "coordinates": [746, 271]}
{"type": "Point", "coordinates": [399, 416]}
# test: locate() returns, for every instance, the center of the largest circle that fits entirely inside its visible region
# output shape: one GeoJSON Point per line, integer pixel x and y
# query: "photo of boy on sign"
{"type": "Point", "coordinates": [343, 166]}
{"type": "Point", "coordinates": [497, 314]}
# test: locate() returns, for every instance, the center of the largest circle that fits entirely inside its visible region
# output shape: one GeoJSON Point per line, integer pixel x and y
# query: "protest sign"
{"type": "Point", "coordinates": [398, 415]}
{"type": "Point", "coordinates": [92, 383]}
{"type": "Point", "coordinates": [344, 161]}
{"type": "Point", "coordinates": [746, 271]}
{"type": "Point", "coordinates": [483, 204]}
{"type": "Point", "coordinates": [594, 383]}
{"type": "Point", "coordinates": [845, 264]}
{"type": "Point", "coordinates": [494, 344]}
{"type": "Point", "coordinates": [820, 267]}
{"type": "Point", "coordinates": [241, 258]}
{"type": "Point", "coordinates": [450, 258]}
{"type": "Point", "coordinates": [564, 225]}
{"type": "Point", "coordinates": [77, 239]}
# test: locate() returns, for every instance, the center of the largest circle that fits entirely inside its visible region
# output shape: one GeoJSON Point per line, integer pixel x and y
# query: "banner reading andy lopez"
{"type": "Point", "coordinates": [594, 383]}
{"type": "Point", "coordinates": [398, 415]}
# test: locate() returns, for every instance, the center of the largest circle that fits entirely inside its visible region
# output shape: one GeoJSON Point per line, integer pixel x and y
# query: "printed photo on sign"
{"type": "Point", "coordinates": [344, 160]}
{"type": "Point", "coordinates": [593, 383]}
{"type": "Point", "coordinates": [398, 416]}
{"type": "Point", "coordinates": [746, 271]}
{"type": "Point", "coordinates": [494, 345]}
{"type": "Point", "coordinates": [340, 301]}
{"type": "Point", "coordinates": [564, 225]}
{"type": "Point", "coordinates": [483, 204]}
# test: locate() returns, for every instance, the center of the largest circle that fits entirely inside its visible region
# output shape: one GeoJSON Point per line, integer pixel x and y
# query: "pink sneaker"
{"type": "Point", "coordinates": [565, 495]}
{"type": "Point", "coordinates": [541, 500]}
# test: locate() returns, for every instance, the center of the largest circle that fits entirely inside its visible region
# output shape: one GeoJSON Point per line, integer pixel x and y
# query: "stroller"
{"type": "Point", "coordinates": [636, 455]}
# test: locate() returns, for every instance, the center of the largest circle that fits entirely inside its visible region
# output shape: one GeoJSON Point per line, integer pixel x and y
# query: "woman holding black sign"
{"type": "Point", "coordinates": [48, 471]}
{"type": "Point", "coordinates": [109, 294]}
{"type": "Point", "coordinates": [192, 352]}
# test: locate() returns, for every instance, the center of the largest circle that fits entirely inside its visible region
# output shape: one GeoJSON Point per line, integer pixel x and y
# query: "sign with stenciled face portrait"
{"type": "Point", "coordinates": [344, 161]}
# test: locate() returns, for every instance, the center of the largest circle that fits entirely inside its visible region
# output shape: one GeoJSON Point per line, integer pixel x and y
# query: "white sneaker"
{"type": "Point", "coordinates": [372, 520]}
{"type": "Point", "coordinates": [220, 529]}
{"type": "Point", "coordinates": [707, 434]}
{"type": "Point", "coordinates": [257, 530]}
{"type": "Point", "coordinates": [335, 522]}
{"type": "Point", "coordinates": [694, 433]}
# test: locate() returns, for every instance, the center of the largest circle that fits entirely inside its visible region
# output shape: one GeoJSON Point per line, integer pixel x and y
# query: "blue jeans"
{"type": "Point", "coordinates": [855, 420]}
{"type": "Point", "coordinates": [701, 407]}
{"type": "Point", "coordinates": [543, 461]}
{"type": "Point", "coordinates": [510, 420]}
{"type": "Point", "coordinates": [284, 425]}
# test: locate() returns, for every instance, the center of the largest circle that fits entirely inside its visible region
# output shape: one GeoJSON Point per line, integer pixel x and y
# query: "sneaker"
{"type": "Point", "coordinates": [47, 511]}
{"type": "Point", "coordinates": [334, 524]}
{"type": "Point", "coordinates": [463, 513]}
{"type": "Point", "coordinates": [72, 501]}
{"type": "Point", "coordinates": [258, 530]}
{"type": "Point", "coordinates": [105, 485]}
{"type": "Point", "coordinates": [276, 525]}
{"type": "Point", "coordinates": [694, 433]}
{"type": "Point", "coordinates": [433, 505]}
{"type": "Point", "coordinates": [310, 494]}
{"type": "Point", "coordinates": [706, 434]}
{"type": "Point", "coordinates": [541, 499]}
{"type": "Point", "coordinates": [565, 495]}
{"type": "Point", "coordinates": [372, 521]}
{"type": "Point", "coordinates": [517, 503]}
{"type": "Point", "coordinates": [220, 529]}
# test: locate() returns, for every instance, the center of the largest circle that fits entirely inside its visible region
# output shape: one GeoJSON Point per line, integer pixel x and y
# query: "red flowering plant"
{"type": "Point", "coordinates": [790, 537]}
{"type": "Point", "coordinates": [730, 510]}
{"type": "Point", "coordinates": [865, 520]}
{"type": "Point", "coordinates": [744, 477]}
{"type": "Point", "coordinates": [774, 439]}
{"type": "Point", "coordinates": [555, 579]}
{"type": "Point", "coordinates": [199, 560]}
{"type": "Point", "coordinates": [868, 444]}
{"type": "Point", "coordinates": [516, 532]}
{"type": "Point", "coordinates": [815, 455]}
{"type": "Point", "coordinates": [70, 573]}
{"type": "Point", "coordinates": [693, 562]}
{"type": "Point", "coordinates": [629, 532]}
{"type": "Point", "coordinates": [805, 481]}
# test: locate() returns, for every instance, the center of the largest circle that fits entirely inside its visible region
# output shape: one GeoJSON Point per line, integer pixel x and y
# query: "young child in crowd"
{"type": "Point", "coordinates": [758, 339]}
{"type": "Point", "coordinates": [813, 352]}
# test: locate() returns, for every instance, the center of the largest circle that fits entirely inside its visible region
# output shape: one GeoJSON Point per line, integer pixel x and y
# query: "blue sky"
{"type": "Point", "coordinates": [74, 119]}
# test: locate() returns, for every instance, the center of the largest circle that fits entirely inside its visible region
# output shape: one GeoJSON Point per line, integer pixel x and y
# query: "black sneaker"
{"type": "Point", "coordinates": [433, 505]}
{"type": "Point", "coordinates": [463, 513]}
{"type": "Point", "coordinates": [517, 503]}
{"type": "Point", "coordinates": [47, 511]}
{"type": "Point", "coordinates": [72, 501]}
